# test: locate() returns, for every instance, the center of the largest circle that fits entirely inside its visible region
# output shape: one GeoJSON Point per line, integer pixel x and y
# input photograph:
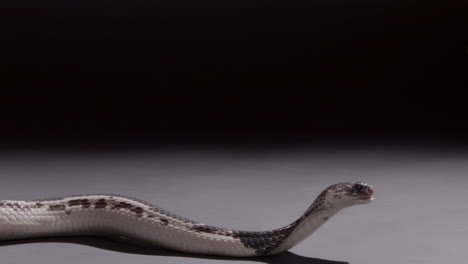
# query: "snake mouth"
{"type": "Point", "coordinates": [366, 198]}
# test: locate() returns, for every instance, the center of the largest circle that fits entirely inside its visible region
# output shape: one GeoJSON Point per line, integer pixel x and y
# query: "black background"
{"type": "Point", "coordinates": [153, 72]}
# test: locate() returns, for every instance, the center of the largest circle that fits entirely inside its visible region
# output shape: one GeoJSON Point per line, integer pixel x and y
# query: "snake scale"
{"type": "Point", "coordinates": [116, 215]}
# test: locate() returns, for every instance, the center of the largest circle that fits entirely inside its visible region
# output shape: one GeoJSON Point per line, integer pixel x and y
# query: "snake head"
{"type": "Point", "coordinates": [349, 193]}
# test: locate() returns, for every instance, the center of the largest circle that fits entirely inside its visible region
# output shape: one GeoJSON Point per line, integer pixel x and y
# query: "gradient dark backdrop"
{"type": "Point", "coordinates": [90, 72]}
{"type": "Point", "coordinates": [195, 74]}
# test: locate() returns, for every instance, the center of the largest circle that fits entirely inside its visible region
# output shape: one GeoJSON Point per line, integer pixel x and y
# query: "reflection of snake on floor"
{"type": "Point", "coordinates": [121, 216]}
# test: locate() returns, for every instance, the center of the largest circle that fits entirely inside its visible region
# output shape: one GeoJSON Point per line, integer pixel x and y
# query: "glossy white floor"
{"type": "Point", "coordinates": [419, 214]}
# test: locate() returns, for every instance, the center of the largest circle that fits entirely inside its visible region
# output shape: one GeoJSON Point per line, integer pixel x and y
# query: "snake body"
{"type": "Point", "coordinates": [117, 215]}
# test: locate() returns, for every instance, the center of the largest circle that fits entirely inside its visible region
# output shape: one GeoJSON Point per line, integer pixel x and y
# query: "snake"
{"type": "Point", "coordinates": [127, 217]}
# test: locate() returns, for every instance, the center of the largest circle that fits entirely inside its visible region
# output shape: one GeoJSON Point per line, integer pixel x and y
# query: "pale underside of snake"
{"type": "Point", "coordinates": [121, 216]}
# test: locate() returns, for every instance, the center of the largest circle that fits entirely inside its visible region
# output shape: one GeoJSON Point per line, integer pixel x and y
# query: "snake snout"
{"type": "Point", "coordinates": [364, 189]}
{"type": "Point", "coordinates": [369, 190]}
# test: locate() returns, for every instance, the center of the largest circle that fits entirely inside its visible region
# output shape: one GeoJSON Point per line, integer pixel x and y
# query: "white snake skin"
{"type": "Point", "coordinates": [114, 215]}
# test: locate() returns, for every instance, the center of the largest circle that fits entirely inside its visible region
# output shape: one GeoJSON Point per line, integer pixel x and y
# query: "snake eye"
{"type": "Point", "coordinates": [357, 187]}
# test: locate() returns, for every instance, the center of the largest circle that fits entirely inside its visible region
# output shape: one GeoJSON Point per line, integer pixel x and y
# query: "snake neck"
{"type": "Point", "coordinates": [303, 227]}
{"type": "Point", "coordinates": [282, 239]}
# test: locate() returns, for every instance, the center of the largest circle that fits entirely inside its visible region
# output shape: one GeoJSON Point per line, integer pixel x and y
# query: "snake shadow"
{"type": "Point", "coordinates": [128, 246]}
